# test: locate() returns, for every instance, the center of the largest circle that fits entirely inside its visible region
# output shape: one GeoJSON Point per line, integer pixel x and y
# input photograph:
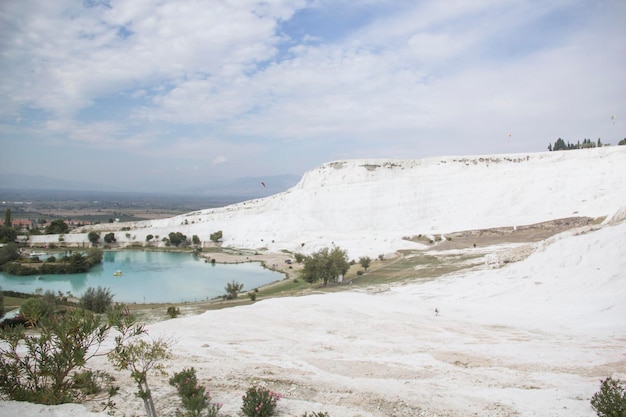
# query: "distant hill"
{"type": "Point", "coordinates": [41, 182]}
{"type": "Point", "coordinates": [252, 187]}
{"type": "Point", "coordinates": [238, 188]}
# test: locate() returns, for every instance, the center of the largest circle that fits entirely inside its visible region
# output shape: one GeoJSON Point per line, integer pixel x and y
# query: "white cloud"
{"type": "Point", "coordinates": [219, 160]}
{"type": "Point", "coordinates": [62, 55]}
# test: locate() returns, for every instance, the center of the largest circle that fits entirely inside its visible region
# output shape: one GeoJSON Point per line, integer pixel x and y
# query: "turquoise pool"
{"type": "Point", "coordinates": [150, 277]}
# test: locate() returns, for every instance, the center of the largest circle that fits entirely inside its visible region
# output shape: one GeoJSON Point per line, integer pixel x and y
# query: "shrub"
{"type": "Point", "coordinates": [56, 227]}
{"type": "Point", "coordinates": [110, 238]}
{"type": "Point", "coordinates": [37, 367]}
{"type": "Point", "coordinates": [232, 289]}
{"type": "Point", "coordinates": [8, 253]}
{"type": "Point", "coordinates": [97, 300]}
{"type": "Point", "coordinates": [316, 414]}
{"type": "Point", "coordinates": [177, 239]}
{"type": "Point", "coordinates": [194, 397]}
{"type": "Point", "coordinates": [35, 309]}
{"type": "Point", "coordinates": [259, 402]}
{"type": "Point", "coordinates": [610, 401]}
{"type": "Point", "coordinates": [94, 256]}
{"type": "Point", "coordinates": [215, 237]}
{"type": "Point", "coordinates": [89, 382]}
{"type": "Point", "coordinates": [7, 234]}
{"type": "Point", "coordinates": [173, 311]}
{"type": "Point", "coordinates": [136, 355]}
{"type": "Point", "coordinates": [252, 295]}
{"type": "Point", "coordinates": [94, 237]}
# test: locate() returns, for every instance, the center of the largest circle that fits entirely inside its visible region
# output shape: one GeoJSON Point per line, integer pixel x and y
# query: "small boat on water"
{"type": "Point", "coordinates": [117, 273]}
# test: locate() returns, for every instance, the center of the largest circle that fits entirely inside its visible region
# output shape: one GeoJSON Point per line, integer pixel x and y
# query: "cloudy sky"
{"type": "Point", "coordinates": [151, 94]}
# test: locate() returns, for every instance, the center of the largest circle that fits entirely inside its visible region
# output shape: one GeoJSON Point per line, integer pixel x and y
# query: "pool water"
{"type": "Point", "coordinates": [149, 277]}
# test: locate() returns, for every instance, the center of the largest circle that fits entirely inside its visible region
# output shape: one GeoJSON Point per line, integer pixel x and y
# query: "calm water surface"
{"type": "Point", "coordinates": [150, 277]}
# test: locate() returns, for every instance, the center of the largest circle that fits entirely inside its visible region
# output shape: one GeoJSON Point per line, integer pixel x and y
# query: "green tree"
{"type": "Point", "coordinates": [177, 238]}
{"type": "Point", "coordinates": [7, 234]}
{"type": "Point", "coordinates": [77, 263]}
{"type": "Point", "coordinates": [110, 238]}
{"type": "Point", "coordinates": [56, 227]}
{"type": "Point", "coordinates": [326, 265]}
{"type": "Point", "coordinates": [7, 218]}
{"type": "Point", "coordinates": [94, 237]}
{"type": "Point", "coordinates": [610, 401]}
{"type": "Point", "coordinates": [94, 256]}
{"type": "Point", "coordinates": [215, 237]}
{"type": "Point", "coordinates": [38, 367]}
{"type": "Point", "coordinates": [1, 303]}
{"type": "Point", "coordinates": [195, 240]}
{"type": "Point", "coordinates": [365, 262]}
{"type": "Point", "coordinates": [622, 142]}
{"type": "Point", "coordinates": [8, 253]}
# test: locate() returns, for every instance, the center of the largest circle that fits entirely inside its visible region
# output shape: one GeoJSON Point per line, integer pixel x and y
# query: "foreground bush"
{"type": "Point", "coordinates": [137, 355]}
{"type": "Point", "coordinates": [97, 300]}
{"type": "Point", "coordinates": [259, 402]}
{"type": "Point", "coordinates": [35, 309]}
{"type": "Point", "coordinates": [610, 401]}
{"type": "Point", "coordinates": [196, 400]}
{"type": "Point", "coordinates": [41, 370]}
{"type": "Point", "coordinates": [90, 382]}
{"type": "Point", "coordinates": [173, 311]}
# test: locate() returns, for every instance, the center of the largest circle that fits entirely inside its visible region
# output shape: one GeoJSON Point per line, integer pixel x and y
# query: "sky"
{"type": "Point", "coordinates": [158, 95]}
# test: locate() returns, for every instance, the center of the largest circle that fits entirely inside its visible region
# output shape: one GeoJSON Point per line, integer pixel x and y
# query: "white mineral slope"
{"type": "Point", "coordinates": [530, 339]}
{"type": "Point", "coordinates": [368, 206]}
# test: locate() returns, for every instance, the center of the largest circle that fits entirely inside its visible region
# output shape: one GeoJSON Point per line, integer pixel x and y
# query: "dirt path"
{"type": "Point", "coordinates": [515, 234]}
